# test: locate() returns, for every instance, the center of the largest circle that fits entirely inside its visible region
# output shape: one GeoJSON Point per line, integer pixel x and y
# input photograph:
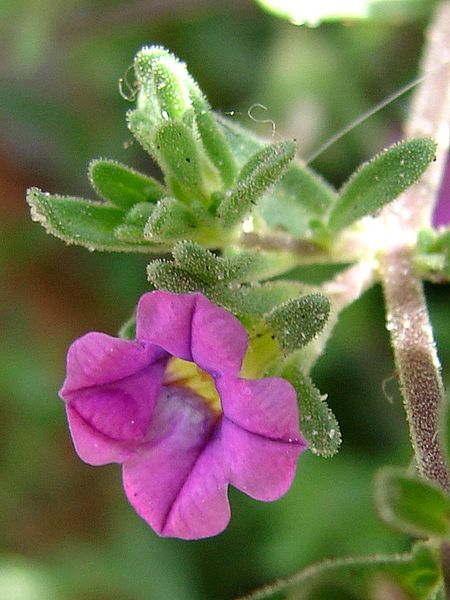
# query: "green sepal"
{"type": "Point", "coordinates": [214, 141]}
{"type": "Point", "coordinates": [381, 180]}
{"type": "Point", "coordinates": [258, 174]}
{"type": "Point", "coordinates": [416, 574]}
{"type": "Point", "coordinates": [163, 82]}
{"type": "Point", "coordinates": [121, 185]}
{"type": "Point", "coordinates": [132, 234]}
{"type": "Point", "coordinates": [299, 197]}
{"type": "Point", "coordinates": [179, 155]}
{"type": "Point", "coordinates": [298, 321]}
{"type": "Point", "coordinates": [412, 505]}
{"type": "Point", "coordinates": [139, 213]}
{"type": "Point", "coordinates": [243, 300]}
{"type": "Point", "coordinates": [170, 219]}
{"type": "Point", "coordinates": [82, 222]}
{"type": "Point", "coordinates": [317, 422]}
{"type": "Point", "coordinates": [208, 267]}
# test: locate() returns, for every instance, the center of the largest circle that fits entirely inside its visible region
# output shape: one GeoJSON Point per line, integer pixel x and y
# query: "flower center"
{"type": "Point", "coordinates": [182, 373]}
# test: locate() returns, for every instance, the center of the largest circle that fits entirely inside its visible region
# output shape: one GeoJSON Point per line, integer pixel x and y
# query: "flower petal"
{"type": "Point", "coordinates": [262, 468]}
{"type": "Point", "coordinates": [121, 410]}
{"type": "Point", "coordinates": [93, 447]}
{"type": "Point", "coordinates": [191, 327]}
{"type": "Point", "coordinates": [218, 340]}
{"type": "Point", "coordinates": [177, 482]}
{"type": "Point", "coordinates": [164, 319]}
{"type": "Point", "coordinates": [266, 406]}
{"type": "Point", "coordinates": [97, 358]}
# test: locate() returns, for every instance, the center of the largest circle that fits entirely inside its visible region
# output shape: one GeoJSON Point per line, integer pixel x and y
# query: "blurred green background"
{"type": "Point", "coordinates": [67, 532]}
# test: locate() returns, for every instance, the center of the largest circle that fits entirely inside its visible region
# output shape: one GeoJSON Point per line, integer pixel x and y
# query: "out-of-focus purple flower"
{"type": "Point", "coordinates": [172, 409]}
{"type": "Point", "coordinates": [441, 215]}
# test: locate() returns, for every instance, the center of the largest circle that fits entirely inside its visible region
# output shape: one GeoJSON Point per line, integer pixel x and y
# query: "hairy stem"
{"type": "Point", "coordinates": [407, 315]}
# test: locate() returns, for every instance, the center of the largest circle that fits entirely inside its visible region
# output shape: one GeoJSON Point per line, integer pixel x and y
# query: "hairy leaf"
{"type": "Point", "coordinates": [82, 222]}
{"type": "Point", "coordinates": [318, 423]}
{"type": "Point", "coordinates": [299, 321]}
{"type": "Point", "coordinates": [258, 174]}
{"type": "Point", "coordinates": [381, 180]}
{"type": "Point", "coordinates": [121, 185]}
{"type": "Point", "coordinates": [413, 505]}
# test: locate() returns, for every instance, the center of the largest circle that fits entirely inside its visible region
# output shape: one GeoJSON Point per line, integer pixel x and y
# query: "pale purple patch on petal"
{"type": "Point", "coordinates": [267, 406]}
{"type": "Point", "coordinates": [165, 319]}
{"type": "Point", "coordinates": [155, 477]}
{"type": "Point", "coordinates": [93, 447]}
{"type": "Point", "coordinates": [218, 340]}
{"type": "Point", "coordinates": [260, 467]}
{"type": "Point", "coordinates": [97, 358]}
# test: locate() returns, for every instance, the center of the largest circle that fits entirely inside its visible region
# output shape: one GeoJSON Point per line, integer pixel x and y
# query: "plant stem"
{"type": "Point", "coordinates": [407, 315]}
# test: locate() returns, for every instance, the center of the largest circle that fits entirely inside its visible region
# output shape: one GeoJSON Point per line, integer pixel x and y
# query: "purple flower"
{"type": "Point", "coordinates": [172, 409]}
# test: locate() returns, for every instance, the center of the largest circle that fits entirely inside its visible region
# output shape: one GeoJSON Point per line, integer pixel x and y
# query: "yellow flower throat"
{"type": "Point", "coordinates": [182, 373]}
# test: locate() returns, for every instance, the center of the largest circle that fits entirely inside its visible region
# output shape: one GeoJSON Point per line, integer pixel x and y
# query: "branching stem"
{"type": "Point", "coordinates": [407, 315]}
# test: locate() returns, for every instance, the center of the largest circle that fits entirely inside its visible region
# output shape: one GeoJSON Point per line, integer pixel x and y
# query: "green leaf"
{"type": "Point", "coordinates": [139, 213]}
{"type": "Point", "coordinates": [179, 155]}
{"type": "Point", "coordinates": [166, 275]}
{"type": "Point", "coordinates": [381, 180]}
{"type": "Point", "coordinates": [413, 505]}
{"type": "Point", "coordinates": [171, 219]}
{"type": "Point", "coordinates": [212, 269]}
{"type": "Point", "coordinates": [432, 258]}
{"type": "Point", "coordinates": [317, 422]}
{"type": "Point", "coordinates": [299, 321]}
{"type": "Point", "coordinates": [121, 185]}
{"type": "Point", "coordinates": [214, 141]}
{"type": "Point", "coordinates": [260, 173]}
{"type": "Point", "coordinates": [417, 575]}
{"type": "Point", "coordinates": [298, 198]}
{"type": "Point", "coordinates": [82, 222]}
{"type": "Point", "coordinates": [163, 82]}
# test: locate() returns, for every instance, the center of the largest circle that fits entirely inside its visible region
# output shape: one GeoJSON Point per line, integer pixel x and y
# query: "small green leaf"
{"type": "Point", "coordinates": [212, 269]}
{"type": "Point", "coordinates": [260, 173]}
{"type": "Point", "coordinates": [133, 234]}
{"type": "Point", "coordinates": [166, 275]}
{"type": "Point", "coordinates": [139, 213]}
{"type": "Point", "coordinates": [162, 84]}
{"type": "Point", "coordinates": [298, 198]}
{"type": "Point", "coordinates": [381, 180]}
{"type": "Point", "coordinates": [178, 153]}
{"type": "Point", "coordinates": [432, 258]}
{"type": "Point", "coordinates": [121, 185]}
{"type": "Point", "coordinates": [299, 321]}
{"type": "Point", "coordinates": [317, 422]}
{"type": "Point", "coordinates": [214, 141]}
{"type": "Point", "coordinates": [82, 222]}
{"type": "Point", "coordinates": [171, 219]}
{"type": "Point", "coordinates": [413, 505]}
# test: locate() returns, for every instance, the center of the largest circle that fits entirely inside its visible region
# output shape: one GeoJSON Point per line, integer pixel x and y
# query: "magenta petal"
{"type": "Point", "coordinates": [176, 480]}
{"type": "Point", "coordinates": [121, 410]}
{"type": "Point", "coordinates": [219, 341]}
{"type": "Point", "coordinates": [93, 447]}
{"type": "Point", "coordinates": [97, 358]}
{"type": "Point", "coordinates": [259, 466]}
{"type": "Point", "coordinates": [267, 406]}
{"type": "Point", "coordinates": [165, 319]}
